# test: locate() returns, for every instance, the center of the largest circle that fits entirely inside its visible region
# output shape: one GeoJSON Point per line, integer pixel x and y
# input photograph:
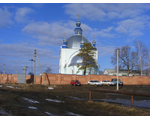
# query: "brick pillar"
{"type": "Point", "coordinates": [45, 76]}
{"type": "Point", "coordinates": [59, 78]}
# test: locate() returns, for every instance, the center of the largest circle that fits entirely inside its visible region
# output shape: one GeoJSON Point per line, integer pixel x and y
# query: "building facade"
{"type": "Point", "coordinates": [121, 72]}
{"type": "Point", "coordinates": [69, 60]}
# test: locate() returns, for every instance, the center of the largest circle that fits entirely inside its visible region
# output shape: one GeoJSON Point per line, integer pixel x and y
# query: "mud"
{"type": "Point", "coordinates": [67, 100]}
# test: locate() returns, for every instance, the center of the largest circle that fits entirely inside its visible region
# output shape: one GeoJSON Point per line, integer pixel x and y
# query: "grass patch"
{"type": "Point", "coordinates": [118, 110]}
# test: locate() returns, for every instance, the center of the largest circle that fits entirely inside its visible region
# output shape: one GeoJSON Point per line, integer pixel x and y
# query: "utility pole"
{"type": "Point", "coordinates": [4, 68]}
{"type": "Point", "coordinates": [117, 66]}
{"type": "Point", "coordinates": [41, 69]}
{"type": "Point", "coordinates": [31, 64]}
{"type": "Point", "coordinates": [148, 63]}
{"type": "Point", "coordinates": [34, 64]}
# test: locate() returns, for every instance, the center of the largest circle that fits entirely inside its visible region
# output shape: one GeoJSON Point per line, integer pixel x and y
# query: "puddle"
{"type": "Point", "coordinates": [18, 88]}
{"type": "Point", "coordinates": [3, 113]}
{"type": "Point", "coordinates": [10, 86]}
{"type": "Point", "coordinates": [31, 107]}
{"type": "Point", "coordinates": [136, 103]}
{"type": "Point", "coordinates": [1, 85]}
{"type": "Point", "coordinates": [50, 114]}
{"type": "Point", "coordinates": [53, 100]}
{"type": "Point", "coordinates": [77, 98]}
{"type": "Point", "coordinates": [30, 100]}
{"type": "Point", "coordinates": [73, 114]}
{"type": "Point", "coordinates": [50, 88]}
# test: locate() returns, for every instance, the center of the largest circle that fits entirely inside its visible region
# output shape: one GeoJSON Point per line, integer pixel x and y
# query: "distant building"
{"type": "Point", "coordinates": [121, 72]}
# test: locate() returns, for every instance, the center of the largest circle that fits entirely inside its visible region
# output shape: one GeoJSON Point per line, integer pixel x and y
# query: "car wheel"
{"type": "Point", "coordinates": [74, 84]}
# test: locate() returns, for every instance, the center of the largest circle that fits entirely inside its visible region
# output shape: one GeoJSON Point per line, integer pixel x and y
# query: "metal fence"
{"type": "Point", "coordinates": [119, 92]}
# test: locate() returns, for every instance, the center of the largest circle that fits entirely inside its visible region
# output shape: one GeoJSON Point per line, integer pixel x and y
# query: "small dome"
{"type": "Point", "coordinates": [78, 23]}
{"type": "Point", "coordinates": [94, 42]}
{"type": "Point", "coordinates": [75, 40]}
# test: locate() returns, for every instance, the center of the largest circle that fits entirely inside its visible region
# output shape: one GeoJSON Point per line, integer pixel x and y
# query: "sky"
{"type": "Point", "coordinates": [25, 27]}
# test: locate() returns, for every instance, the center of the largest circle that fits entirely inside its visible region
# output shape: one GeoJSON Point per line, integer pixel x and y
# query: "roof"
{"type": "Point", "coordinates": [121, 71]}
{"type": "Point", "coordinates": [75, 40]}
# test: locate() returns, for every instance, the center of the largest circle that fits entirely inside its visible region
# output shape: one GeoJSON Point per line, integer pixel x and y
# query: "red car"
{"type": "Point", "coordinates": [75, 82]}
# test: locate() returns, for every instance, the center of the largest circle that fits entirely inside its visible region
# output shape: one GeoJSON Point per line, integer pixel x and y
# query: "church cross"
{"type": "Point", "coordinates": [78, 16]}
{"type": "Point", "coordinates": [93, 36]}
{"type": "Point", "coordinates": [64, 35]}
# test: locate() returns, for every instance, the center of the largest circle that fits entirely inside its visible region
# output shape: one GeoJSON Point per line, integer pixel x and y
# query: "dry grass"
{"type": "Point", "coordinates": [26, 86]}
{"type": "Point", "coordinates": [118, 110]}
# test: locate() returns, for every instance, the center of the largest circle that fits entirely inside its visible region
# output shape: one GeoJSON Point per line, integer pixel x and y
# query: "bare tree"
{"type": "Point", "coordinates": [126, 58]}
{"type": "Point", "coordinates": [141, 55]}
{"type": "Point", "coordinates": [48, 70]}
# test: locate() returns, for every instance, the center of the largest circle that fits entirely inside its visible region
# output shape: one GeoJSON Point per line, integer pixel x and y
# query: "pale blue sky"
{"type": "Point", "coordinates": [28, 26]}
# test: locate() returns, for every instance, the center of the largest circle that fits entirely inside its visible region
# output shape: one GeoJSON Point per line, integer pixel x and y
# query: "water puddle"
{"type": "Point", "coordinates": [10, 86]}
{"type": "Point", "coordinates": [3, 113]}
{"type": "Point", "coordinates": [73, 114]}
{"type": "Point", "coordinates": [50, 88]}
{"type": "Point", "coordinates": [136, 103]}
{"type": "Point", "coordinates": [50, 114]}
{"type": "Point", "coordinates": [76, 98]}
{"type": "Point", "coordinates": [31, 107]}
{"type": "Point", "coordinates": [53, 100]}
{"type": "Point", "coordinates": [30, 100]}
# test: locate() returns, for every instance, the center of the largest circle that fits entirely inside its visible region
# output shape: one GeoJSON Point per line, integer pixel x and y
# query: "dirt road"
{"type": "Point", "coordinates": [65, 100]}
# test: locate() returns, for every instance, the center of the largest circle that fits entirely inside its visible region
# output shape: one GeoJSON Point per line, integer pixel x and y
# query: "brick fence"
{"type": "Point", "coordinates": [64, 79]}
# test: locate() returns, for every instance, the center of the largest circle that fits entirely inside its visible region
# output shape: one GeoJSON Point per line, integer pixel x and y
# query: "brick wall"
{"type": "Point", "coordinates": [64, 79]}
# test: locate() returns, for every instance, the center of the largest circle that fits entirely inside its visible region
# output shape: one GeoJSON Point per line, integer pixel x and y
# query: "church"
{"type": "Point", "coordinates": [69, 60]}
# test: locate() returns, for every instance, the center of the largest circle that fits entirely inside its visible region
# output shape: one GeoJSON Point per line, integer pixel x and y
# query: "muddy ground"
{"type": "Point", "coordinates": [67, 100]}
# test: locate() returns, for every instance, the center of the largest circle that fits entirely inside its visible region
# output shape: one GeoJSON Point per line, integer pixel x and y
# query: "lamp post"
{"type": "Point", "coordinates": [117, 66]}
{"type": "Point", "coordinates": [34, 64]}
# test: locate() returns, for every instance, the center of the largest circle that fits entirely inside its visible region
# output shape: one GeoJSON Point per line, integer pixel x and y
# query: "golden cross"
{"type": "Point", "coordinates": [78, 16]}
{"type": "Point", "coordinates": [64, 35]}
{"type": "Point", "coordinates": [93, 36]}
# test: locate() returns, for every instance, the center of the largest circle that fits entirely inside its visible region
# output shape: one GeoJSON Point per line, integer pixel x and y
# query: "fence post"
{"type": "Point", "coordinates": [106, 97]}
{"type": "Point", "coordinates": [131, 101]}
{"type": "Point", "coordinates": [89, 95]}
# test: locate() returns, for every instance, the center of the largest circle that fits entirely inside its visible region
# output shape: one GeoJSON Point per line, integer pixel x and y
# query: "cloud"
{"type": "Point", "coordinates": [105, 50]}
{"type": "Point", "coordinates": [105, 11]}
{"type": "Point", "coordinates": [5, 19]}
{"type": "Point", "coordinates": [53, 33]}
{"type": "Point", "coordinates": [89, 11]}
{"type": "Point", "coordinates": [133, 27]}
{"type": "Point", "coordinates": [104, 32]}
{"type": "Point", "coordinates": [21, 14]}
{"type": "Point", "coordinates": [18, 55]}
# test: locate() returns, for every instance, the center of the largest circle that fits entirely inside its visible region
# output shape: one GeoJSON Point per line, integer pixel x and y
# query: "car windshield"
{"type": "Point", "coordinates": [95, 81]}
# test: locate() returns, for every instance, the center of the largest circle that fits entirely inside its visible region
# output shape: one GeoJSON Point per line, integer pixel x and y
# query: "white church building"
{"type": "Point", "coordinates": [69, 60]}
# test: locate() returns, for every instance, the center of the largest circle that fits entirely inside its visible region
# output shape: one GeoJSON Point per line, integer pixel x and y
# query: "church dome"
{"type": "Point", "coordinates": [75, 40]}
{"type": "Point", "coordinates": [76, 60]}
